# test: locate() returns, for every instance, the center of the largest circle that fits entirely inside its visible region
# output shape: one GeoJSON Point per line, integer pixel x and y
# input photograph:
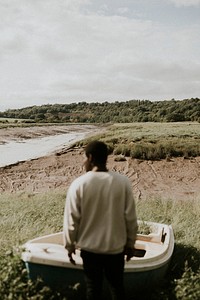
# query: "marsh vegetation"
{"type": "Point", "coordinates": [24, 216]}
{"type": "Point", "coordinates": [27, 215]}
{"type": "Point", "coordinates": [153, 141]}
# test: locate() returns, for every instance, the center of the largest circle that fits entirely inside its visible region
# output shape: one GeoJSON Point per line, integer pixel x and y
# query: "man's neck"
{"type": "Point", "coordinates": [100, 168]}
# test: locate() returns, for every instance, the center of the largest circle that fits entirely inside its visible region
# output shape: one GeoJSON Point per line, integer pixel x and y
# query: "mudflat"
{"type": "Point", "coordinates": [175, 178]}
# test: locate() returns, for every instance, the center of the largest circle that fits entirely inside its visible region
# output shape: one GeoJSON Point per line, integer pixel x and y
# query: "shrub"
{"type": "Point", "coordinates": [188, 286]}
{"type": "Point", "coordinates": [14, 283]}
{"type": "Point", "coordinates": [122, 149]}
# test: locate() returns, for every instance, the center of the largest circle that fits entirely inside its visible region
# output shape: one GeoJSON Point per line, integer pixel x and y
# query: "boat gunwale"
{"type": "Point", "coordinates": [134, 265]}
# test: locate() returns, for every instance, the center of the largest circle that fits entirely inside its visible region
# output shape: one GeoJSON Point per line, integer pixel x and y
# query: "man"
{"type": "Point", "coordinates": [100, 219]}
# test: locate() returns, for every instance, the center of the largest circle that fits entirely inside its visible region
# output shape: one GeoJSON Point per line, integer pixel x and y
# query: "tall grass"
{"type": "Point", "coordinates": [25, 216]}
{"type": "Point", "coordinates": [153, 140]}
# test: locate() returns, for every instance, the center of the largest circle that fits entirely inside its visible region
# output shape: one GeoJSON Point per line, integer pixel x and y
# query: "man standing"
{"type": "Point", "coordinates": [100, 218]}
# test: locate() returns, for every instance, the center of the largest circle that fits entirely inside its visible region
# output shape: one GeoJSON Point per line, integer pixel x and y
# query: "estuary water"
{"type": "Point", "coordinates": [16, 151]}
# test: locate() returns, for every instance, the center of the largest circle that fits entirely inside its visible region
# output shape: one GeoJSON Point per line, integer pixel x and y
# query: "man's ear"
{"type": "Point", "coordinates": [90, 158]}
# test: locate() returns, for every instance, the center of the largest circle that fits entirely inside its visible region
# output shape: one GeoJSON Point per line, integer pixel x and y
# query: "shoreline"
{"type": "Point", "coordinates": [24, 133]}
{"type": "Point", "coordinates": [177, 178]}
{"type": "Point", "coordinates": [21, 144]}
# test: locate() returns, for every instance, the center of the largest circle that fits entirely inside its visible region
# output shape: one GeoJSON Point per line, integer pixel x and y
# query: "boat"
{"type": "Point", "coordinates": [45, 257]}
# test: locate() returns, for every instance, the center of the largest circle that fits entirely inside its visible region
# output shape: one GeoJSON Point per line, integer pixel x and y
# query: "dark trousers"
{"type": "Point", "coordinates": [96, 266]}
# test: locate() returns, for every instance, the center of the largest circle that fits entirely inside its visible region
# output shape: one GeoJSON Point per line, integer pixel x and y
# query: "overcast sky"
{"type": "Point", "coordinates": [64, 51]}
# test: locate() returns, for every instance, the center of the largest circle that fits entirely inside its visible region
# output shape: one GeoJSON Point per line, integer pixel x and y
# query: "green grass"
{"type": "Point", "coordinates": [7, 122]}
{"type": "Point", "coordinates": [153, 140]}
{"type": "Point", "coordinates": [22, 123]}
{"type": "Point", "coordinates": [25, 216]}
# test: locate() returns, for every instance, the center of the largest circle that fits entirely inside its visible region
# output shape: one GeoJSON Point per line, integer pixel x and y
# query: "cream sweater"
{"type": "Point", "coordinates": [100, 213]}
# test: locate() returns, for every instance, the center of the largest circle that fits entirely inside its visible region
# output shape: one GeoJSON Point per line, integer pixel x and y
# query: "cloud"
{"type": "Point", "coordinates": [59, 51]}
{"type": "Point", "coordinates": [185, 2]}
{"type": "Point", "coordinates": [123, 10]}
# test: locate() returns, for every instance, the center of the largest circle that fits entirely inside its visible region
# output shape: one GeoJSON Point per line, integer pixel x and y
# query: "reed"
{"type": "Point", "coordinates": [152, 141]}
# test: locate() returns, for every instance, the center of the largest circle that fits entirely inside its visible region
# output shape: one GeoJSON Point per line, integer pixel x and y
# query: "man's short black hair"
{"type": "Point", "coordinates": [98, 150]}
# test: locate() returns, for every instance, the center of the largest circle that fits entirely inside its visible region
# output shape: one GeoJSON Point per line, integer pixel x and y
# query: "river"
{"type": "Point", "coordinates": [16, 151]}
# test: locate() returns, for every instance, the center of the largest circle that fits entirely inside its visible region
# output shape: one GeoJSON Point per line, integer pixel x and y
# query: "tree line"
{"type": "Point", "coordinates": [110, 112]}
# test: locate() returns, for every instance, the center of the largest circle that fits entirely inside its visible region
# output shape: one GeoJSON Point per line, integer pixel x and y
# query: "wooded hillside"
{"type": "Point", "coordinates": [106, 112]}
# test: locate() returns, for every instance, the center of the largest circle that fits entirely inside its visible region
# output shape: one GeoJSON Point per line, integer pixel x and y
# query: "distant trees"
{"type": "Point", "coordinates": [116, 112]}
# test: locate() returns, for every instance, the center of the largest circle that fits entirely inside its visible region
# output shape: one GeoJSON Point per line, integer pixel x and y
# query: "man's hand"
{"type": "Point", "coordinates": [70, 256]}
{"type": "Point", "coordinates": [129, 252]}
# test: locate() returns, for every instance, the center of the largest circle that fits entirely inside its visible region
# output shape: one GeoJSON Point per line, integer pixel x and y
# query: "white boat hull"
{"type": "Point", "coordinates": [46, 257]}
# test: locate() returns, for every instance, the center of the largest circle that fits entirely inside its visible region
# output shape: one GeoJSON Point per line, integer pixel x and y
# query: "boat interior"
{"type": "Point", "coordinates": [146, 246]}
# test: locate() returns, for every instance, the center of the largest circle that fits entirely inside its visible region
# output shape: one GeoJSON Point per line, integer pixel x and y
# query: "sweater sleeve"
{"type": "Point", "coordinates": [71, 217]}
{"type": "Point", "coordinates": [130, 217]}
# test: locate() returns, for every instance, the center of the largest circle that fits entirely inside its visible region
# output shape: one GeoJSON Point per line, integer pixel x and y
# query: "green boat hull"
{"type": "Point", "coordinates": [72, 280]}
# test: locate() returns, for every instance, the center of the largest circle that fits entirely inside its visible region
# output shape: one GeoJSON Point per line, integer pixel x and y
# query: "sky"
{"type": "Point", "coordinates": [66, 51]}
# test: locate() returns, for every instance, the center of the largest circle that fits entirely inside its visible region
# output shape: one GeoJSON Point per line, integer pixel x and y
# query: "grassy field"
{"type": "Point", "coordinates": [10, 121]}
{"type": "Point", "coordinates": [24, 216]}
{"type": "Point", "coordinates": [154, 140]}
